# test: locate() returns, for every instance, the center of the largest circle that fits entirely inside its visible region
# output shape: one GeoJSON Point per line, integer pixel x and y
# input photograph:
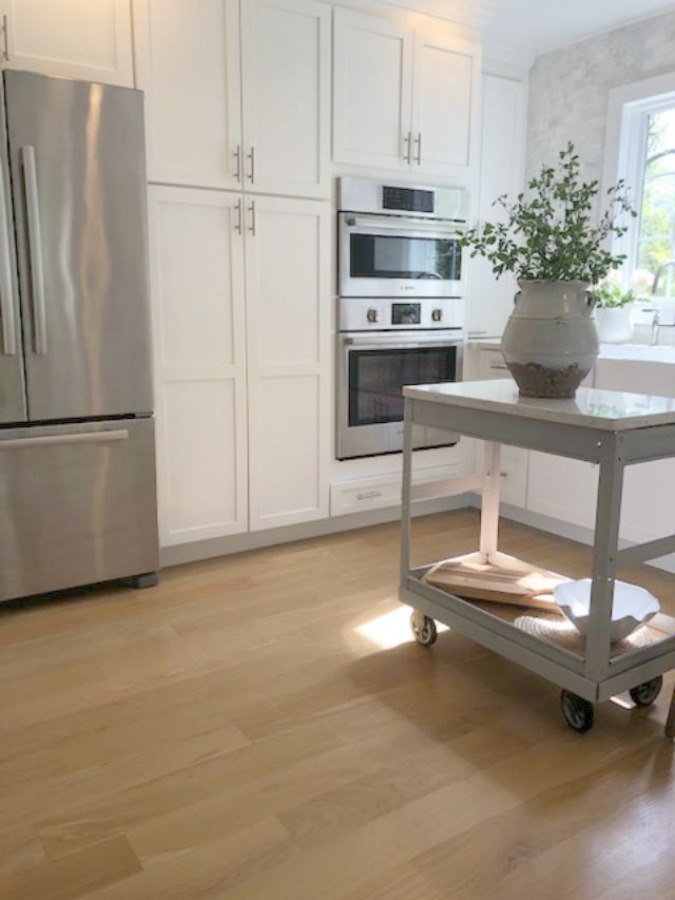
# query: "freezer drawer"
{"type": "Point", "coordinates": [78, 505]}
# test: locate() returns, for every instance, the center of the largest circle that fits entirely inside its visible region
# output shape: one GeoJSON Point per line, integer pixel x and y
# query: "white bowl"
{"type": "Point", "coordinates": [632, 606]}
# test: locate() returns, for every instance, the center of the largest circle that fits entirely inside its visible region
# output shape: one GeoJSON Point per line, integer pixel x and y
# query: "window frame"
{"type": "Point", "coordinates": [626, 136]}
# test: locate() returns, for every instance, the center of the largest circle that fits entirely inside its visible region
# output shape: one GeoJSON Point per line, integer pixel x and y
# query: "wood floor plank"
{"type": "Point", "coordinates": [262, 726]}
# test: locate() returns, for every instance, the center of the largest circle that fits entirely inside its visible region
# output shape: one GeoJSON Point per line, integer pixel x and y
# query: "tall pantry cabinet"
{"type": "Point", "coordinates": [238, 100]}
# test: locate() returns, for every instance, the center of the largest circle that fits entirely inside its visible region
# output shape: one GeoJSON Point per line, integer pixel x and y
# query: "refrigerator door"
{"type": "Point", "coordinates": [78, 183]}
{"type": "Point", "coordinates": [78, 505]}
{"type": "Point", "coordinates": [12, 395]}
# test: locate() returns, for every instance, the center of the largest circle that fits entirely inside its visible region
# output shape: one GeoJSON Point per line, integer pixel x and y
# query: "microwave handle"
{"type": "Point", "coordinates": [402, 225]}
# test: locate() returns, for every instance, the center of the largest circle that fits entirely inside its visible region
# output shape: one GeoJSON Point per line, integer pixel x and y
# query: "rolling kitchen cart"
{"type": "Point", "coordinates": [610, 428]}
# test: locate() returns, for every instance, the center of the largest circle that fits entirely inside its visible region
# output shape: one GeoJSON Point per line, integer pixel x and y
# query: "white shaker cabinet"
{"type": "Point", "coordinates": [85, 39]}
{"type": "Point", "coordinates": [187, 62]}
{"type": "Point", "coordinates": [562, 488]}
{"type": "Point", "coordinates": [241, 309]}
{"type": "Point", "coordinates": [238, 94]}
{"type": "Point", "coordinates": [197, 274]}
{"type": "Point", "coordinates": [502, 161]}
{"type": "Point", "coordinates": [288, 324]}
{"type": "Point", "coordinates": [404, 99]}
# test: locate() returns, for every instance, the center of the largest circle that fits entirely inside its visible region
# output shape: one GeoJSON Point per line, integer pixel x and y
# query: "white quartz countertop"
{"type": "Point", "coordinates": [592, 408]}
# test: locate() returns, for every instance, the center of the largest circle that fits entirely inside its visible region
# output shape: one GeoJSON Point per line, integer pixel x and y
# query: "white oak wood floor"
{"type": "Point", "coordinates": [261, 726]}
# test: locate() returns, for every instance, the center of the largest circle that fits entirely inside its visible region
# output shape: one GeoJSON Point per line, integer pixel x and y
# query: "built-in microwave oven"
{"type": "Point", "coordinates": [399, 241]}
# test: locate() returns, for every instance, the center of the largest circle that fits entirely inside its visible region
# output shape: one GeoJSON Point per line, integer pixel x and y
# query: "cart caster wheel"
{"type": "Point", "coordinates": [424, 629]}
{"type": "Point", "coordinates": [645, 694]}
{"type": "Point", "coordinates": [577, 711]}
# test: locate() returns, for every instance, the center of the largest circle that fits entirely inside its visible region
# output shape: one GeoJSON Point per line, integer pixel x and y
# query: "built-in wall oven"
{"type": "Point", "coordinates": [400, 308]}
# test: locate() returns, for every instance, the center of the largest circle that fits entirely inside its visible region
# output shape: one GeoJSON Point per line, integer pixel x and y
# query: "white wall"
{"type": "Point", "coordinates": [569, 89]}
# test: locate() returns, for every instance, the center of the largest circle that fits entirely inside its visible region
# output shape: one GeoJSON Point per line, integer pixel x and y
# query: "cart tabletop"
{"type": "Point", "coordinates": [613, 411]}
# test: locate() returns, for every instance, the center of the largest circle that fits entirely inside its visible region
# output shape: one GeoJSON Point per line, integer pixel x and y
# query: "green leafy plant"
{"type": "Point", "coordinates": [611, 296]}
{"type": "Point", "coordinates": [549, 234]}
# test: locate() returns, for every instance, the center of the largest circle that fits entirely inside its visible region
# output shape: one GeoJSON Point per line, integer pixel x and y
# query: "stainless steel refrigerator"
{"type": "Point", "coordinates": [77, 456]}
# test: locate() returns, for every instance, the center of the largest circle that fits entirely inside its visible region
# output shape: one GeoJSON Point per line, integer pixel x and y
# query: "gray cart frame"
{"type": "Point", "coordinates": [594, 676]}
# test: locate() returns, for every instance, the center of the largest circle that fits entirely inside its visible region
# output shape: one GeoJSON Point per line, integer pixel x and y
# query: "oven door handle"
{"type": "Point", "coordinates": [395, 340]}
{"type": "Point", "coordinates": [404, 226]}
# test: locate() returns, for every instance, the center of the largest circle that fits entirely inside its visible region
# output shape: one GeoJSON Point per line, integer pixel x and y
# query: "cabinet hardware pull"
{"type": "Point", "coordinates": [251, 155]}
{"type": "Point", "coordinates": [35, 247]}
{"type": "Point", "coordinates": [407, 144]}
{"type": "Point", "coordinates": [237, 157]}
{"type": "Point", "coordinates": [252, 211]}
{"type": "Point", "coordinates": [418, 141]}
{"type": "Point", "coordinates": [237, 223]}
{"type": "Point", "coordinates": [5, 38]}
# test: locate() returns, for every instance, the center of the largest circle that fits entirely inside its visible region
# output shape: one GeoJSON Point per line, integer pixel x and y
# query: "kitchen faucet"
{"type": "Point", "coordinates": [656, 323]}
{"type": "Point", "coordinates": [669, 263]}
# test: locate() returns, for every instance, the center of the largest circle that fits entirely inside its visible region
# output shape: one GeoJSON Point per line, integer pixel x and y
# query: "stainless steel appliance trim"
{"type": "Point", "coordinates": [405, 226]}
{"type": "Point", "coordinates": [6, 293]}
{"type": "Point", "coordinates": [402, 340]}
{"type": "Point", "coordinates": [90, 437]}
{"type": "Point", "coordinates": [35, 247]}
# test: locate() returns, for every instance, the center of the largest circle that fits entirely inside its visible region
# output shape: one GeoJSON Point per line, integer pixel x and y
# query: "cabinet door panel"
{"type": "Point", "coordinates": [372, 88]}
{"type": "Point", "coordinates": [187, 61]}
{"type": "Point", "coordinates": [200, 365]}
{"type": "Point", "coordinates": [446, 77]}
{"type": "Point", "coordinates": [78, 39]}
{"type": "Point", "coordinates": [286, 96]}
{"type": "Point", "coordinates": [489, 301]}
{"type": "Point", "coordinates": [562, 488]}
{"type": "Point", "coordinates": [288, 307]}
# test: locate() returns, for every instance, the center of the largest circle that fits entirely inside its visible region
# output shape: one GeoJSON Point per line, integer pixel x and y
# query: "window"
{"type": "Point", "coordinates": [641, 150]}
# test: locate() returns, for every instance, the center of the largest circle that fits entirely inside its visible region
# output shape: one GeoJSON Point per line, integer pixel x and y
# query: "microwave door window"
{"type": "Point", "coordinates": [396, 256]}
{"type": "Point", "coordinates": [377, 378]}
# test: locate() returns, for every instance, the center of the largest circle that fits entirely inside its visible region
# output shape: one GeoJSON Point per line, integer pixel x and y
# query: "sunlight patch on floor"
{"type": "Point", "coordinates": [391, 629]}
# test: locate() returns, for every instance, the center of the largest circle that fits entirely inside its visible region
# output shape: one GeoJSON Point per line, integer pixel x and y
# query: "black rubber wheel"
{"type": "Point", "coordinates": [645, 694]}
{"type": "Point", "coordinates": [427, 634]}
{"type": "Point", "coordinates": [578, 712]}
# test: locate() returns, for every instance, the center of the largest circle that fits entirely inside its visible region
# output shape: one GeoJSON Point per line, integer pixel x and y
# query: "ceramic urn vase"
{"type": "Point", "coordinates": [550, 342]}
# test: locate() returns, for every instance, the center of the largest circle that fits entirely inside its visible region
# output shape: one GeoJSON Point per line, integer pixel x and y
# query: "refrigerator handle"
{"type": "Point", "coordinates": [6, 294]}
{"type": "Point", "coordinates": [35, 247]}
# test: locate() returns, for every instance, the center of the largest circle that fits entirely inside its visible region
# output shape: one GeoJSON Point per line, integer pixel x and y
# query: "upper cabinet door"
{"type": "Point", "coordinates": [446, 118]}
{"type": "Point", "coordinates": [187, 62]}
{"type": "Point", "coordinates": [77, 39]}
{"type": "Point", "coordinates": [372, 78]}
{"type": "Point", "coordinates": [286, 96]}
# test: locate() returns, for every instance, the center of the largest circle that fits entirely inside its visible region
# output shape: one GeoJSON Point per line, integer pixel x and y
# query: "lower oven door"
{"type": "Point", "coordinates": [372, 371]}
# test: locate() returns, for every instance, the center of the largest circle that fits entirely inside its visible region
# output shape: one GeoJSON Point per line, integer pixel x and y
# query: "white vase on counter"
{"type": "Point", "coordinates": [614, 323]}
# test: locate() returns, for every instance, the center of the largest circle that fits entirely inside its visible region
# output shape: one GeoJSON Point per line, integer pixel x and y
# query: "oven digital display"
{"type": "Point", "coordinates": [406, 313]}
{"type": "Point", "coordinates": [407, 199]}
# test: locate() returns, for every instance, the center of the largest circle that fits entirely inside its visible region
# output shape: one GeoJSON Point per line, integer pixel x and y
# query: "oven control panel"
{"type": "Point", "coordinates": [381, 314]}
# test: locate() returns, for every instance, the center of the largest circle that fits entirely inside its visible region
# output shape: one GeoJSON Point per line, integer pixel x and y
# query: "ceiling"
{"type": "Point", "coordinates": [533, 27]}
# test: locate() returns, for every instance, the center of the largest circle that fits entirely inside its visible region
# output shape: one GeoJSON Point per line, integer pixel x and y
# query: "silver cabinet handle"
{"type": "Point", "coordinates": [35, 247]}
{"type": "Point", "coordinates": [407, 145]}
{"type": "Point", "coordinates": [7, 319]}
{"type": "Point", "coordinates": [251, 156]}
{"type": "Point", "coordinates": [237, 221]}
{"type": "Point", "coordinates": [251, 210]}
{"type": "Point", "coordinates": [89, 437]}
{"type": "Point", "coordinates": [418, 141]}
{"type": "Point", "coordinates": [5, 38]}
{"type": "Point", "coordinates": [237, 159]}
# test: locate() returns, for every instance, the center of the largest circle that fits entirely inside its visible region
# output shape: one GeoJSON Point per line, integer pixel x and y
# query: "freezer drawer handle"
{"type": "Point", "coordinates": [35, 248]}
{"type": "Point", "coordinates": [90, 437]}
{"type": "Point", "coordinates": [6, 294]}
